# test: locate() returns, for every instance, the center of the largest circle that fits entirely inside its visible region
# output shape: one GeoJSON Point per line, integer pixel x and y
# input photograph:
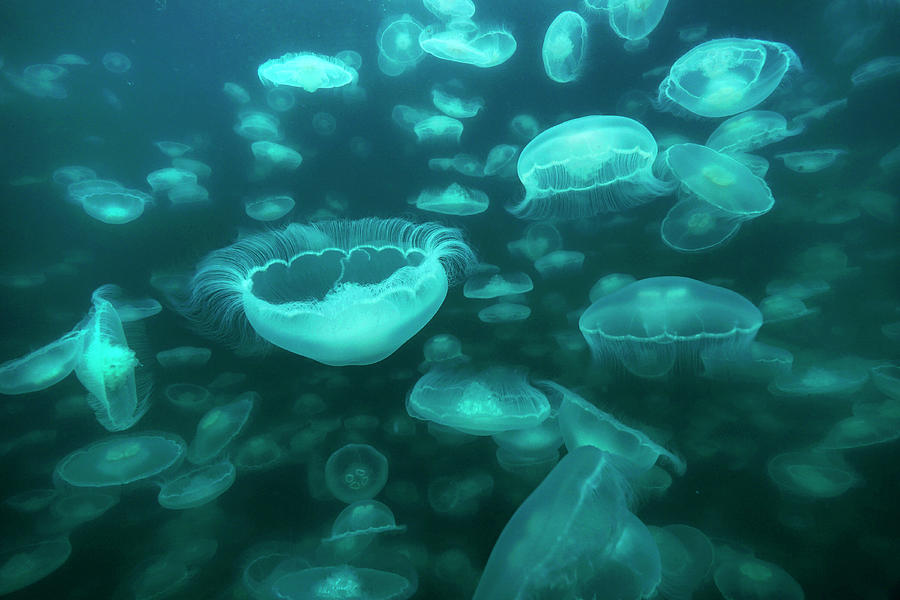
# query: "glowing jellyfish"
{"type": "Point", "coordinates": [525, 127]}
{"type": "Point", "coordinates": [80, 505]}
{"type": "Point", "coordinates": [439, 128]}
{"type": "Point", "coordinates": [280, 99]}
{"type": "Point", "coordinates": [587, 166]}
{"type": "Point", "coordinates": [882, 67]}
{"type": "Point", "coordinates": [442, 347]}
{"type": "Point", "coordinates": [454, 200]}
{"type": "Point", "coordinates": [258, 453]}
{"type": "Point", "coordinates": [357, 526]}
{"type": "Point", "coordinates": [559, 263]}
{"type": "Point", "coordinates": [859, 431]}
{"type": "Point", "coordinates": [218, 427]}
{"type": "Point", "coordinates": [268, 208]}
{"type": "Point", "coordinates": [172, 149]}
{"type": "Point", "coordinates": [751, 130]}
{"type": "Point", "coordinates": [453, 106]}
{"type": "Point", "coordinates": [686, 558]}
{"type": "Point", "coordinates": [450, 9]}
{"type": "Point", "coordinates": [821, 380]}
{"type": "Point", "coordinates": [810, 161]}
{"type": "Point", "coordinates": [236, 92]}
{"type": "Point", "coordinates": [188, 397]}
{"type": "Point", "coordinates": [504, 312]}
{"type": "Point", "coordinates": [258, 125]}
{"type": "Point", "coordinates": [307, 71]}
{"type": "Point", "coordinates": [43, 367]}
{"type": "Point", "coordinates": [188, 193]}
{"type": "Point", "coordinates": [116, 62]}
{"type": "Point", "coordinates": [121, 460]}
{"type": "Point", "coordinates": [500, 160]}
{"type": "Point", "coordinates": [481, 49]}
{"type": "Point", "coordinates": [339, 292]}
{"type": "Point", "coordinates": [130, 309]}
{"type": "Point", "coordinates": [275, 155]}
{"type": "Point", "coordinates": [342, 581]}
{"type": "Point", "coordinates": [574, 536]}
{"type": "Point", "coordinates": [812, 474]}
{"type": "Point", "coordinates": [197, 487]}
{"type": "Point", "coordinates": [564, 47]}
{"type": "Point", "coordinates": [495, 285]}
{"type": "Point", "coordinates": [655, 324]}
{"type": "Point", "coordinates": [608, 284]}
{"type": "Point", "coordinates": [478, 402]}
{"type": "Point", "coordinates": [23, 565]}
{"type": "Point", "coordinates": [183, 357]}
{"type": "Point", "coordinates": [72, 174]}
{"type": "Point", "coordinates": [723, 77]}
{"type": "Point", "coordinates": [356, 472]}
{"type": "Point", "coordinates": [70, 60]}
{"type": "Point", "coordinates": [635, 19]}
{"type": "Point", "coordinates": [398, 44]}
{"type": "Point", "coordinates": [748, 578]}
{"type": "Point", "coordinates": [162, 180]}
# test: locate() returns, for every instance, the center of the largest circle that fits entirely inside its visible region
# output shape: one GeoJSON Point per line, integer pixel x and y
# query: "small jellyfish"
{"type": "Point", "coordinates": [453, 106]}
{"type": "Point", "coordinates": [500, 161]}
{"type": "Point", "coordinates": [121, 460]}
{"type": "Point", "coordinates": [236, 92]}
{"type": "Point", "coordinates": [559, 263]}
{"type": "Point", "coordinates": [608, 284]}
{"type": "Point", "coordinates": [357, 526]}
{"type": "Point", "coordinates": [460, 495]}
{"type": "Point", "coordinates": [525, 127]}
{"type": "Point", "coordinates": [564, 47]}
{"type": "Point", "coordinates": [812, 474]}
{"type": "Point", "coordinates": [438, 129]}
{"type": "Point", "coordinates": [196, 487]}
{"type": "Point", "coordinates": [482, 49]}
{"type": "Point", "coordinates": [876, 69]}
{"type": "Point", "coordinates": [116, 62]}
{"type": "Point", "coordinates": [324, 123]}
{"type": "Point", "coordinates": [356, 472]}
{"type": "Point", "coordinates": [162, 180]}
{"type": "Point", "coordinates": [280, 99]}
{"type": "Point", "coordinates": [450, 9]}
{"type": "Point", "coordinates": [21, 566]}
{"type": "Point", "coordinates": [258, 453]}
{"type": "Point", "coordinates": [183, 357]}
{"type": "Point", "coordinates": [810, 161]}
{"type": "Point", "coordinates": [188, 397]}
{"type": "Point", "coordinates": [747, 577]}
{"type": "Point", "coordinates": [495, 285]}
{"type": "Point", "coordinates": [268, 208]}
{"type": "Point", "coordinates": [307, 71]}
{"type": "Point", "coordinates": [453, 200]}
{"type": "Point", "coordinates": [272, 155]}
{"type": "Point", "coordinates": [686, 556]}
{"type": "Point", "coordinates": [257, 125]}
{"type": "Point", "coordinates": [504, 312]}
{"type": "Point", "coordinates": [219, 427]}
{"type": "Point", "coordinates": [398, 44]}
{"type": "Point", "coordinates": [634, 20]}
{"type": "Point", "coordinates": [750, 131]}
{"type": "Point", "coordinates": [172, 149]}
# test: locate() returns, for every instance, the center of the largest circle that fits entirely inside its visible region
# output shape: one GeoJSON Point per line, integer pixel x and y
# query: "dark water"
{"type": "Point", "coordinates": [183, 52]}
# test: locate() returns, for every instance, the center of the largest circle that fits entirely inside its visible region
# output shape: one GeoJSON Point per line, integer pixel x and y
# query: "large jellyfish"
{"type": "Point", "coordinates": [574, 537]}
{"type": "Point", "coordinates": [339, 292]}
{"type": "Point", "coordinates": [43, 367]}
{"type": "Point", "coordinates": [306, 70]}
{"type": "Point", "coordinates": [587, 166]}
{"type": "Point", "coordinates": [723, 77]}
{"type": "Point", "coordinates": [20, 566]}
{"type": "Point", "coordinates": [656, 323]}
{"type": "Point", "coordinates": [121, 460]}
{"type": "Point", "coordinates": [564, 47]}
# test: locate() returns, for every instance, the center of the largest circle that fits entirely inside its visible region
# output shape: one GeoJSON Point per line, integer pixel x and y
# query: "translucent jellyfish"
{"type": "Point", "coordinates": [495, 285]}
{"type": "Point", "coordinates": [812, 474]}
{"type": "Point", "coordinates": [130, 309]}
{"type": "Point", "coordinates": [258, 453]}
{"type": "Point", "coordinates": [23, 565]}
{"type": "Point", "coordinates": [525, 127]}
{"type": "Point", "coordinates": [357, 526]}
{"type": "Point", "coordinates": [450, 9]}
{"type": "Point", "coordinates": [501, 161]}
{"type": "Point", "coordinates": [779, 308]}
{"type": "Point", "coordinates": [819, 380]}
{"type": "Point", "coordinates": [751, 130]}
{"type": "Point", "coordinates": [758, 165]}
{"type": "Point", "coordinates": [43, 367]}
{"type": "Point", "coordinates": [172, 149]}
{"type": "Point", "coordinates": [324, 123]}
{"type": "Point", "coordinates": [534, 445]}
{"type": "Point", "coordinates": [307, 71]}
{"type": "Point", "coordinates": [31, 501]}
{"type": "Point", "coordinates": [861, 430]}
{"type": "Point", "coordinates": [723, 77]}
{"type": "Point", "coordinates": [218, 427]}
{"type": "Point", "coordinates": [608, 284]}
{"type": "Point", "coordinates": [350, 57]}
{"type": "Point", "coordinates": [583, 424]}
{"type": "Point", "coordinates": [481, 49]}
{"type": "Point", "coordinates": [116, 62]}
{"type": "Point", "coordinates": [460, 495]}
{"type": "Point", "coordinates": [454, 106]}
{"type": "Point", "coordinates": [183, 357]}
{"type": "Point", "coordinates": [745, 577]}
{"type": "Point", "coordinates": [78, 506]}
{"type": "Point", "coordinates": [886, 378]}
{"type": "Point", "coordinates": [655, 324]}
{"type": "Point", "coordinates": [468, 165]}
{"type": "Point", "coordinates": [343, 581]}
{"type": "Point", "coordinates": [119, 390]}
{"type": "Point", "coordinates": [280, 99]}
{"type": "Point", "coordinates": [275, 155]}
{"type": "Point", "coordinates": [258, 125]}
{"type": "Point", "coordinates": [162, 180]}
{"type": "Point", "coordinates": [198, 168]}
{"type": "Point", "coordinates": [504, 312]}
{"type": "Point", "coordinates": [188, 397]}
{"type": "Point", "coordinates": [442, 347]}
{"type": "Point", "coordinates": [559, 263]}
{"type": "Point", "coordinates": [810, 161]}
{"type": "Point", "coordinates": [686, 556]}
{"type": "Point", "coordinates": [197, 487]}
{"type": "Point", "coordinates": [268, 208]}
{"type": "Point", "coordinates": [453, 200]}
{"type": "Point", "coordinates": [356, 472]}
{"type": "Point", "coordinates": [763, 364]}
{"type": "Point", "coordinates": [477, 402]}
{"type": "Point", "coordinates": [564, 47]}
{"type": "Point", "coordinates": [188, 193]}
{"type": "Point", "coordinates": [72, 174]}
{"type": "Point", "coordinates": [121, 460]}
{"type": "Point", "coordinates": [70, 60]}
{"type": "Point", "coordinates": [882, 67]}
{"type": "Point", "coordinates": [439, 128]}
{"type": "Point", "coordinates": [339, 292]}
{"type": "Point", "coordinates": [587, 166]}
{"type": "Point", "coordinates": [574, 537]}
{"type": "Point", "coordinates": [398, 44]}
{"type": "Point", "coordinates": [236, 92]}
{"type": "Point", "coordinates": [635, 19]}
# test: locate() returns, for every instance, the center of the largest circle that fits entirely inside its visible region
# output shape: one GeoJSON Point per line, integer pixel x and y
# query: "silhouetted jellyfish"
{"type": "Point", "coordinates": [257, 125]}
{"type": "Point", "coordinates": [218, 427]}
{"type": "Point", "coordinates": [347, 581]}
{"type": "Point", "coordinates": [876, 69]}
{"type": "Point", "coordinates": [559, 263]}
{"type": "Point", "coordinates": [324, 123]}
{"type": "Point", "coordinates": [356, 472]}
{"type": "Point", "coordinates": [280, 99]}
{"type": "Point", "coordinates": [686, 557]}
{"type": "Point", "coordinates": [608, 284]}
{"type": "Point", "coordinates": [118, 393]}
{"type": "Point", "coordinates": [723, 77]}
{"type": "Point", "coordinates": [564, 47]}
{"type": "Point", "coordinates": [183, 357]}
{"type": "Point", "coordinates": [812, 474]}
{"type": "Point", "coordinates": [453, 200]}
{"type": "Point", "coordinates": [438, 129]}
{"type": "Point", "coordinates": [116, 62]}
{"type": "Point", "coordinates": [121, 460]}
{"type": "Point", "coordinates": [574, 536]}
{"type": "Point", "coordinates": [43, 367]}
{"type": "Point", "coordinates": [357, 526]}
{"type": "Point", "coordinates": [504, 312]}
{"type": "Point", "coordinates": [810, 161]}
{"type": "Point", "coordinates": [476, 402]}
{"type": "Point", "coordinates": [482, 49]}
{"type": "Point", "coordinates": [501, 160]}
{"type": "Point", "coordinates": [453, 106]}
{"type": "Point", "coordinates": [339, 292]}
{"type": "Point", "coordinates": [588, 166]}
{"type": "Point", "coordinates": [236, 92]}
{"type": "Point", "coordinates": [307, 71]}
{"type": "Point", "coordinates": [271, 154]}
{"type": "Point", "coordinates": [583, 424]}
{"type": "Point", "coordinates": [398, 44]}
{"type": "Point", "coordinates": [197, 487]}
{"type": "Point", "coordinates": [655, 324]}
{"type": "Point", "coordinates": [751, 130]}
{"type": "Point", "coordinates": [746, 577]}
{"type": "Point", "coordinates": [23, 565]}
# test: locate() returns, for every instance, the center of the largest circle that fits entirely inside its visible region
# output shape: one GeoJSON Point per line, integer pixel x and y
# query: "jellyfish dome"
{"type": "Point", "coordinates": [20, 566]}
{"type": "Point", "coordinates": [356, 472]}
{"type": "Point", "coordinates": [564, 47]}
{"type": "Point", "coordinates": [121, 460]}
{"type": "Point", "coordinates": [654, 324]}
{"type": "Point", "coordinates": [481, 49]}
{"type": "Point", "coordinates": [43, 367]}
{"type": "Point", "coordinates": [276, 155]}
{"type": "Point", "coordinates": [341, 581]}
{"type": "Point", "coordinates": [634, 20]}
{"type": "Point", "coordinates": [453, 106]}
{"type": "Point", "coordinates": [751, 130]}
{"type": "Point", "coordinates": [588, 166]}
{"type": "Point", "coordinates": [398, 41]}
{"type": "Point", "coordinates": [197, 487]}
{"type": "Point", "coordinates": [116, 62]}
{"type": "Point", "coordinates": [307, 71]}
{"type": "Point", "coordinates": [453, 200]}
{"type": "Point", "coordinates": [723, 77]}
{"type": "Point", "coordinates": [218, 427]}
{"type": "Point", "coordinates": [339, 292]}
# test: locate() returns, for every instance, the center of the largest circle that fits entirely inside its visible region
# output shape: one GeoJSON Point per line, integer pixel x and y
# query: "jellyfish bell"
{"type": "Point", "coordinates": [219, 427]}
{"type": "Point", "coordinates": [634, 20]}
{"type": "Point", "coordinates": [564, 47]}
{"type": "Point", "coordinates": [197, 487]}
{"type": "Point", "coordinates": [116, 62]}
{"type": "Point", "coordinates": [43, 367]}
{"type": "Point", "coordinates": [339, 292]}
{"type": "Point", "coordinates": [306, 70]}
{"type": "Point", "coordinates": [20, 566]}
{"type": "Point", "coordinates": [751, 130]}
{"type": "Point", "coordinates": [356, 472]}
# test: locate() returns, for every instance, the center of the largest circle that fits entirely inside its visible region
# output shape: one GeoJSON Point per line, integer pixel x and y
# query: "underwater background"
{"type": "Point", "coordinates": [834, 232]}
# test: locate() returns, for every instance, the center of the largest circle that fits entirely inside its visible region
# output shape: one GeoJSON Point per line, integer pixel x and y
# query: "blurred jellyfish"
{"type": "Point", "coordinates": [339, 292]}
{"type": "Point", "coordinates": [258, 453]}
{"type": "Point", "coordinates": [162, 180]}
{"type": "Point", "coordinates": [183, 357]}
{"type": "Point", "coordinates": [504, 312]}
{"type": "Point", "coordinates": [564, 47]}
{"type": "Point", "coordinates": [197, 487]}
{"type": "Point", "coordinates": [876, 69]}
{"type": "Point", "coordinates": [482, 49]}
{"type": "Point", "coordinates": [686, 558]}
{"type": "Point", "coordinates": [812, 474]}
{"type": "Point", "coordinates": [323, 583]}
{"type": "Point", "coordinates": [272, 155]}
{"type": "Point", "coordinates": [820, 380]}
{"type": "Point", "coordinates": [454, 200]}
{"type": "Point", "coordinates": [31, 501]}
{"type": "Point", "coordinates": [356, 472]}
{"type": "Point", "coordinates": [439, 129]}
{"type": "Point", "coordinates": [121, 460]}
{"type": "Point", "coordinates": [268, 208]}
{"type": "Point", "coordinates": [469, 165]}
{"type": "Point", "coordinates": [453, 106]}
{"type": "Point", "coordinates": [442, 347]}
{"type": "Point", "coordinates": [21, 566]}
{"type": "Point", "coordinates": [357, 527]}
{"type": "Point", "coordinates": [634, 20]}
{"type": "Point", "coordinates": [748, 577]}
{"type": "Point", "coordinates": [351, 58]}
{"type": "Point", "coordinates": [219, 427]}
{"type": "Point", "coordinates": [862, 430]}
{"type": "Point", "coordinates": [77, 506]}
{"type": "Point", "coordinates": [525, 127]}
{"type": "Point", "coordinates": [116, 62]}
{"type": "Point", "coordinates": [324, 123]}
{"type": "Point", "coordinates": [450, 9]}
{"type": "Point", "coordinates": [726, 76]}
{"type": "Point", "coordinates": [763, 363]}
{"type": "Point", "coordinates": [495, 285]}
{"type": "Point", "coordinates": [188, 397]}
{"type": "Point", "coordinates": [236, 92]}
{"type": "Point", "coordinates": [587, 166]}
{"type": "Point", "coordinates": [749, 131]}
{"type": "Point", "coordinates": [810, 161]}
{"type": "Point", "coordinates": [187, 193]}
{"type": "Point", "coordinates": [70, 60]}
{"type": "Point", "coordinates": [608, 284]}
{"type": "Point", "coordinates": [559, 263]}
{"type": "Point", "coordinates": [172, 149]}
{"type": "Point", "coordinates": [398, 44]}
{"type": "Point", "coordinates": [460, 495]}
{"type": "Point", "coordinates": [130, 309]}
{"type": "Point", "coordinates": [500, 161]}
{"type": "Point", "coordinates": [654, 324]}
{"type": "Point", "coordinates": [307, 71]}
{"type": "Point", "coordinates": [280, 99]}
{"type": "Point", "coordinates": [72, 174]}
{"type": "Point", "coordinates": [43, 367]}
{"type": "Point", "coordinates": [256, 125]}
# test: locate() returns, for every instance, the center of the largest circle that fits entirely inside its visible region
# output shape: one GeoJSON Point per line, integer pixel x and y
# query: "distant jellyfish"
{"type": "Point", "coordinates": [31, 501]}
{"type": "Point", "coordinates": [20, 566]}
{"type": "Point", "coordinates": [257, 125]}
{"type": "Point", "coordinates": [121, 460]}
{"type": "Point", "coordinates": [219, 427]}
{"type": "Point", "coordinates": [72, 174]}
{"type": "Point", "coordinates": [280, 99]}
{"type": "Point", "coordinates": [482, 48]}
{"type": "Point", "coordinates": [810, 161]}
{"type": "Point", "coordinates": [198, 168]}
{"type": "Point", "coordinates": [129, 308]}
{"type": "Point", "coordinates": [438, 129]}
{"type": "Point", "coordinates": [306, 70]}
{"type": "Point", "coordinates": [469, 165]}
{"type": "Point", "coordinates": [763, 363]}
{"type": "Point", "coordinates": [588, 166]}
{"type": "Point", "coordinates": [356, 472]}
{"type": "Point", "coordinates": [820, 380]}
{"type": "Point", "coordinates": [258, 453]}
{"type": "Point", "coordinates": [70, 60]}
{"type": "Point", "coordinates": [324, 123]}
{"type": "Point", "coordinates": [453, 200]}
{"type": "Point", "coordinates": [165, 179]}
{"type": "Point", "coordinates": [268, 208]}
{"type": "Point", "coordinates": [187, 194]}
{"type": "Point", "coordinates": [197, 487]}
{"type": "Point", "coordinates": [726, 76]}
{"type": "Point", "coordinates": [172, 149]}
{"type": "Point", "coordinates": [183, 357]}
{"type": "Point", "coordinates": [861, 430]}
{"type": "Point", "coordinates": [80, 505]}
{"type": "Point", "coordinates": [116, 62]}
{"type": "Point", "coordinates": [686, 558]}
{"type": "Point", "coordinates": [460, 495]}
{"type": "Point", "coordinates": [351, 58]}
{"type": "Point", "coordinates": [748, 577]}
{"type": "Point", "coordinates": [398, 44]}
{"type": "Point", "coordinates": [43, 367]}
{"type": "Point", "coordinates": [500, 160]}
{"type": "Point", "coordinates": [188, 397]}
{"type": "Point", "coordinates": [812, 474]}
{"type": "Point", "coordinates": [453, 106]}
{"type": "Point", "coordinates": [654, 324]}
{"type": "Point", "coordinates": [495, 285]}
{"type": "Point", "coordinates": [564, 47]}
{"type": "Point", "coordinates": [339, 292]}
{"type": "Point", "coordinates": [272, 155]}
{"type": "Point", "coordinates": [749, 131]}
{"type": "Point", "coordinates": [450, 9]}
{"type": "Point", "coordinates": [357, 527]}
{"type": "Point", "coordinates": [236, 92]}
{"type": "Point", "coordinates": [876, 69]}
{"type": "Point", "coordinates": [504, 312]}
{"type": "Point", "coordinates": [608, 284]}
{"type": "Point", "coordinates": [442, 347]}
{"type": "Point", "coordinates": [633, 104]}
{"type": "Point", "coordinates": [635, 19]}
{"type": "Point", "coordinates": [525, 127]}
{"type": "Point", "coordinates": [321, 582]}
{"type": "Point", "coordinates": [559, 263]}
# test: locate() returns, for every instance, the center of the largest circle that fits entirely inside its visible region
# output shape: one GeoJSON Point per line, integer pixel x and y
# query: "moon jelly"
{"type": "Point", "coordinates": [454, 200]}
{"type": "Point", "coordinates": [564, 47]}
{"type": "Point", "coordinates": [218, 427]}
{"type": "Point", "coordinates": [635, 19]}
{"type": "Point", "coordinates": [43, 367]}
{"type": "Point", "coordinates": [116, 62]}
{"type": "Point", "coordinates": [197, 487]}
{"type": "Point", "coordinates": [23, 565]}
{"type": "Point", "coordinates": [751, 130]}
{"type": "Point", "coordinates": [121, 460]}
{"type": "Point", "coordinates": [356, 472]}
{"type": "Point", "coordinates": [306, 70]}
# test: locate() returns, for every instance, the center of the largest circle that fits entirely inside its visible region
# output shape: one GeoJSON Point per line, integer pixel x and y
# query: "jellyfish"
{"type": "Point", "coordinates": [450, 9]}
{"type": "Point", "coordinates": [398, 44]}
{"type": "Point", "coordinates": [307, 71]}
{"type": "Point", "coordinates": [452, 106]}
{"type": "Point", "coordinates": [347, 581]}
{"type": "Point", "coordinates": [886, 378]}
{"type": "Point", "coordinates": [280, 99]}
{"type": "Point", "coordinates": [356, 472]}
{"type": "Point", "coordinates": [236, 92]}
{"type": "Point", "coordinates": [634, 20]}
{"type": "Point", "coordinates": [810, 161]}
{"type": "Point", "coordinates": [188, 193]}
{"type": "Point", "coordinates": [197, 487]}
{"type": "Point", "coordinates": [357, 526]}
{"type": "Point", "coordinates": [275, 155]}
{"type": "Point", "coordinates": [861, 430]}
{"type": "Point", "coordinates": [324, 123]}
{"type": "Point", "coordinates": [68, 59]}
{"type": "Point", "coordinates": [130, 309]}
{"type": "Point", "coordinates": [534, 445]}
{"type": "Point", "coordinates": [258, 453]}
{"type": "Point", "coordinates": [821, 380]}
{"type": "Point", "coordinates": [80, 505]}
{"type": "Point", "coordinates": [20, 566]}
{"type": "Point", "coordinates": [751, 130]}
{"type": "Point", "coordinates": [763, 363]}
{"type": "Point", "coordinates": [116, 62]}
{"type": "Point", "coordinates": [504, 312]}
{"type": "Point", "coordinates": [654, 324]}
{"type": "Point", "coordinates": [453, 200]}
{"type": "Point", "coordinates": [339, 292]}
{"type": "Point", "coordinates": [268, 208]}
{"type": "Point", "coordinates": [876, 69]}
{"type": "Point", "coordinates": [686, 556]}
{"type": "Point", "coordinates": [43, 367]}
{"type": "Point", "coordinates": [587, 166]}
{"type": "Point", "coordinates": [779, 308]}
{"type": "Point", "coordinates": [812, 474]}
{"type": "Point", "coordinates": [525, 127]}
{"type": "Point", "coordinates": [564, 47]}
{"type": "Point", "coordinates": [608, 284]}
{"type": "Point", "coordinates": [72, 174]}
{"type": "Point", "coordinates": [188, 397]}
{"type": "Point", "coordinates": [351, 58]}
{"type": "Point", "coordinates": [162, 180]}
{"type": "Point", "coordinates": [439, 128]}
{"type": "Point", "coordinates": [495, 285]}
{"type": "Point", "coordinates": [257, 125]}
{"type": "Point", "coordinates": [559, 263]}
{"type": "Point", "coordinates": [467, 164]}
{"type": "Point", "coordinates": [219, 427]}
{"type": "Point", "coordinates": [183, 357]}
{"type": "Point", "coordinates": [500, 160]}
{"type": "Point", "coordinates": [31, 501]}
{"type": "Point", "coordinates": [460, 495]}
{"type": "Point", "coordinates": [481, 49]}
{"type": "Point", "coordinates": [172, 149]}
{"type": "Point", "coordinates": [121, 460]}
{"type": "Point", "coordinates": [745, 576]}
{"type": "Point", "coordinates": [574, 536]}
{"type": "Point", "coordinates": [723, 77]}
